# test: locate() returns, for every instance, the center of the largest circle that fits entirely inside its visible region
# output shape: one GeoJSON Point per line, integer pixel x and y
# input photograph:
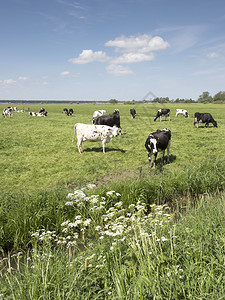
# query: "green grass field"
{"type": "Point", "coordinates": [155, 236]}
{"type": "Point", "coordinates": [37, 153]}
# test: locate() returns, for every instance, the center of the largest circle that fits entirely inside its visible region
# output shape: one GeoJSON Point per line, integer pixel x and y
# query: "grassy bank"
{"type": "Point", "coordinates": [133, 256]}
{"type": "Point", "coordinates": [23, 213]}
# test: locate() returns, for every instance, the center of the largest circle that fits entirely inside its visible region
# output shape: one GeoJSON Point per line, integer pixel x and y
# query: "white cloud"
{"type": "Point", "coordinates": [143, 44]}
{"type": "Point", "coordinates": [9, 81]}
{"type": "Point", "coordinates": [129, 58]}
{"type": "Point", "coordinates": [65, 73]}
{"type": "Point", "coordinates": [118, 70]}
{"type": "Point", "coordinates": [134, 49]}
{"type": "Point", "coordinates": [22, 78]}
{"type": "Point", "coordinates": [212, 55]}
{"type": "Point", "coordinates": [88, 56]}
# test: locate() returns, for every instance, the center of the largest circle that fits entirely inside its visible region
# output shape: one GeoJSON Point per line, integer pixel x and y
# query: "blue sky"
{"type": "Point", "coordinates": [111, 49]}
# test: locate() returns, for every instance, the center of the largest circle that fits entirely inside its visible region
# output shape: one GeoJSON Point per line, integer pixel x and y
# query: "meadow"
{"type": "Point", "coordinates": [37, 153]}
{"type": "Point", "coordinates": [106, 226]}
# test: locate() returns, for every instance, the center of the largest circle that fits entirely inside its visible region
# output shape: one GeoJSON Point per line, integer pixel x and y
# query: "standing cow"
{"type": "Point", "coordinates": [204, 118]}
{"type": "Point", "coordinates": [156, 142]}
{"type": "Point", "coordinates": [7, 112]}
{"type": "Point", "coordinates": [110, 120]}
{"type": "Point", "coordinates": [182, 112]}
{"type": "Point", "coordinates": [133, 113]}
{"type": "Point", "coordinates": [93, 133]}
{"type": "Point", "coordinates": [162, 112]}
{"type": "Point", "coordinates": [98, 113]}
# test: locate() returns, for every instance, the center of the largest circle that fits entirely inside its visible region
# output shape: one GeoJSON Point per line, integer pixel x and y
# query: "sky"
{"type": "Point", "coordinates": [98, 50]}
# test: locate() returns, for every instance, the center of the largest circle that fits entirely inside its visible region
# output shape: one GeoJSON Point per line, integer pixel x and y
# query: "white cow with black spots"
{"type": "Point", "coordinates": [7, 112]}
{"type": "Point", "coordinates": [94, 133]}
{"type": "Point", "coordinates": [182, 112]}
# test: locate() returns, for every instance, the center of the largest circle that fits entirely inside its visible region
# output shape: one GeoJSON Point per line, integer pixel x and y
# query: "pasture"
{"type": "Point", "coordinates": [138, 233]}
{"type": "Point", "coordinates": [37, 153]}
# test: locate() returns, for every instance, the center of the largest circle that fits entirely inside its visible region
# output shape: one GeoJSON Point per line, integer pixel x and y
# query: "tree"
{"type": "Point", "coordinates": [219, 97]}
{"type": "Point", "coordinates": [205, 98]}
{"type": "Point", "coordinates": [113, 101]}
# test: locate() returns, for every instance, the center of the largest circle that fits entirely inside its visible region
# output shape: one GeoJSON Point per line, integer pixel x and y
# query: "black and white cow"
{"type": "Point", "coordinates": [156, 142]}
{"type": "Point", "coordinates": [133, 113]}
{"type": "Point", "coordinates": [70, 112]}
{"type": "Point", "coordinates": [93, 133]}
{"type": "Point", "coordinates": [110, 120]}
{"type": "Point", "coordinates": [7, 112]}
{"type": "Point", "coordinates": [162, 112]}
{"type": "Point", "coordinates": [42, 110]}
{"type": "Point", "coordinates": [98, 113]}
{"type": "Point", "coordinates": [38, 114]}
{"type": "Point", "coordinates": [204, 118]}
{"type": "Point", "coordinates": [65, 111]}
{"type": "Point", "coordinates": [182, 112]}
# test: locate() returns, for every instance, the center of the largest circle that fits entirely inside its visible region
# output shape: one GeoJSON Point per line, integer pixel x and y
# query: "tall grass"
{"type": "Point", "coordinates": [158, 258]}
{"type": "Point", "coordinates": [22, 213]}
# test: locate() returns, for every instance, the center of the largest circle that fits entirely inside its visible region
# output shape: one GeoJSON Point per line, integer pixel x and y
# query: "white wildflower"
{"type": "Point", "coordinates": [87, 222]}
{"type": "Point", "coordinates": [91, 186]}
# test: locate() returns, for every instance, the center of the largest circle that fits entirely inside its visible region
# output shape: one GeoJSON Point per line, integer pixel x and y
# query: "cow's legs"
{"type": "Point", "coordinates": [79, 146]}
{"type": "Point", "coordinates": [168, 152]}
{"type": "Point", "coordinates": [154, 160]}
{"type": "Point", "coordinates": [149, 158]}
{"type": "Point", "coordinates": [103, 145]}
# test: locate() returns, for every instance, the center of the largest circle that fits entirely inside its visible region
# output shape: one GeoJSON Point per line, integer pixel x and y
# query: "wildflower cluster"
{"type": "Point", "coordinates": [114, 225]}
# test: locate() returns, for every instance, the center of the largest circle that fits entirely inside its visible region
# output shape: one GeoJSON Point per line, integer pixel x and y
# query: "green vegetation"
{"type": "Point", "coordinates": [138, 234]}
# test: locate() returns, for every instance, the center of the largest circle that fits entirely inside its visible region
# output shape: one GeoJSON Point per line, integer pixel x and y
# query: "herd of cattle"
{"type": "Point", "coordinates": [105, 127]}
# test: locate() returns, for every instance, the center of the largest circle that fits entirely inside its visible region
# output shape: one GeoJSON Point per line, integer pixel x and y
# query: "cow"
{"type": "Point", "coordinates": [110, 120]}
{"type": "Point", "coordinates": [182, 112]}
{"type": "Point", "coordinates": [42, 110]}
{"type": "Point", "coordinates": [43, 114]}
{"type": "Point", "coordinates": [65, 111]}
{"type": "Point", "coordinates": [7, 112]}
{"type": "Point", "coordinates": [133, 113]}
{"type": "Point", "coordinates": [93, 133]}
{"type": "Point", "coordinates": [162, 112]}
{"type": "Point", "coordinates": [204, 118]}
{"type": "Point", "coordinates": [98, 113]}
{"type": "Point", "coordinates": [156, 142]}
{"type": "Point", "coordinates": [70, 112]}
{"type": "Point", "coordinates": [34, 114]}
{"type": "Point", "coordinates": [20, 110]}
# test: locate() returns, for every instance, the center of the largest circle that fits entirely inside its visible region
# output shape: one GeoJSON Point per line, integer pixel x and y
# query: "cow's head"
{"type": "Point", "coordinates": [214, 123]}
{"type": "Point", "coordinates": [116, 131]}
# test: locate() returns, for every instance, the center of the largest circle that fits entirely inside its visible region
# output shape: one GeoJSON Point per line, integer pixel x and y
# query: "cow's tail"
{"type": "Point", "coordinates": [74, 132]}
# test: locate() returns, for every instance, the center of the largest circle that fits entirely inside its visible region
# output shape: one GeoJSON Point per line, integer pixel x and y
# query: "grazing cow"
{"type": "Point", "coordinates": [204, 118]}
{"type": "Point", "coordinates": [70, 112]}
{"type": "Point", "coordinates": [65, 111]}
{"type": "Point", "coordinates": [7, 112]}
{"type": "Point", "coordinates": [182, 112]}
{"type": "Point", "coordinates": [133, 113]}
{"type": "Point", "coordinates": [93, 133]}
{"type": "Point", "coordinates": [156, 142]}
{"type": "Point", "coordinates": [110, 120]}
{"type": "Point", "coordinates": [162, 112]}
{"type": "Point", "coordinates": [96, 114]}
